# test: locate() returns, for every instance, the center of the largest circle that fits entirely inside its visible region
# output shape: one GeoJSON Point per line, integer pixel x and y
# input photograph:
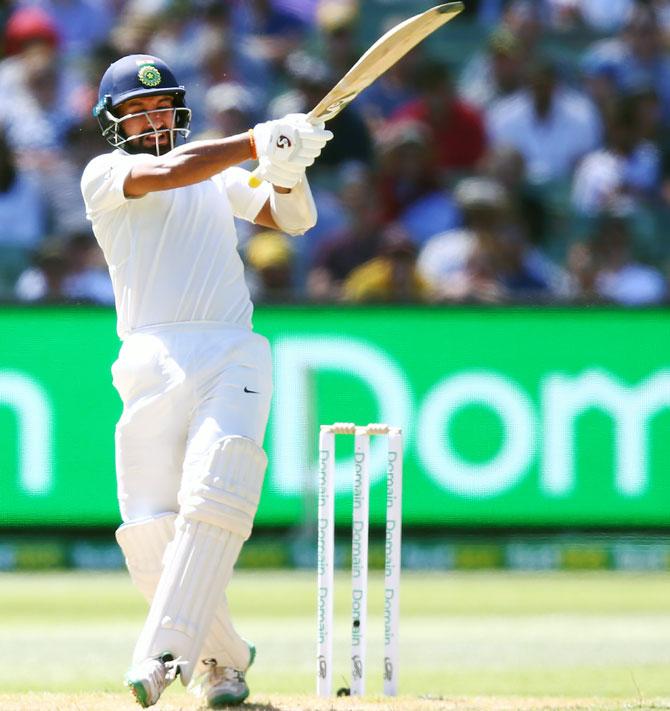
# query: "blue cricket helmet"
{"type": "Point", "coordinates": [133, 76]}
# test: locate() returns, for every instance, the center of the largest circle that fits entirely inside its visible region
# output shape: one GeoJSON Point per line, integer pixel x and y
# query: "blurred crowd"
{"type": "Point", "coordinates": [520, 155]}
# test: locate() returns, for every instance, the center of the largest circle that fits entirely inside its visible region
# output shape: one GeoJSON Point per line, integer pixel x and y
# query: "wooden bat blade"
{"type": "Point", "coordinates": [383, 54]}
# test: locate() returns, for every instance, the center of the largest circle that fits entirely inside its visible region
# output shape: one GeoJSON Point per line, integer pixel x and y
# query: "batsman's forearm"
{"type": "Point", "coordinates": [188, 164]}
{"type": "Point", "coordinates": [202, 159]}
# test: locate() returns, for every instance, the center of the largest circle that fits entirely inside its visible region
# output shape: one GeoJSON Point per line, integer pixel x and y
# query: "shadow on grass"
{"type": "Point", "coordinates": [248, 707]}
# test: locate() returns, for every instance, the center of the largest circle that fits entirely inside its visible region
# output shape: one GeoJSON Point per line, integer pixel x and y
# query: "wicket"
{"type": "Point", "coordinates": [359, 554]}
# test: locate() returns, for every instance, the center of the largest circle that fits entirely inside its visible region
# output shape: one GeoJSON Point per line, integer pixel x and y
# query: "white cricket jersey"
{"type": "Point", "coordinates": [172, 255]}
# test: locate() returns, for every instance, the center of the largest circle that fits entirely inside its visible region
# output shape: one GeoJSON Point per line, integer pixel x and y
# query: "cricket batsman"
{"type": "Point", "coordinates": [195, 380]}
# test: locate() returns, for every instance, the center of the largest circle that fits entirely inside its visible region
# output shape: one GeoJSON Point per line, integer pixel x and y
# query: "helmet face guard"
{"type": "Point", "coordinates": [134, 77]}
{"type": "Point", "coordinates": [113, 130]}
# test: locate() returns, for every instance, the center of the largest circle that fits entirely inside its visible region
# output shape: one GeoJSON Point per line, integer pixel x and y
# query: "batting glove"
{"type": "Point", "coordinates": [290, 141]}
{"type": "Point", "coordinates": [284, 176]}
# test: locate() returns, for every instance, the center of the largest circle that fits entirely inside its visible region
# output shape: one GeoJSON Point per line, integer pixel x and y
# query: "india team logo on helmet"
{"type": "Point", "coordinates": [149, 75]}
{"type": "Point", "coordinates": [133, 77]}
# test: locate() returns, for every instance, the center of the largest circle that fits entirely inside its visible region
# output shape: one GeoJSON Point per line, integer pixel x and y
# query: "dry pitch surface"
{"type": "Point", "coordinates": [178, 701]}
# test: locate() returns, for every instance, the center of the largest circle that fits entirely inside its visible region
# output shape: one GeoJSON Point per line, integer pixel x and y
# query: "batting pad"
{"type": "Point", "coordinates": [143, 544]}
{"type": "Point", "coordinates": [228, 493]}
{"type": "Point", "coordinates": [198, 566]}
{"type": "Point", "coordinates": [223, 642]}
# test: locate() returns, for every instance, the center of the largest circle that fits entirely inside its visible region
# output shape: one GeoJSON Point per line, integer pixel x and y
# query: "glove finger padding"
{"type": "Point", "coordinates": [313, 137]}
{"type": "Point", "coordinates": [285, 176]}
{"type": "Point", "coordinates": [302, 160]}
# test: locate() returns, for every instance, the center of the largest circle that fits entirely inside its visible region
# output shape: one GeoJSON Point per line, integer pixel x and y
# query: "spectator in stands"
{"type": "Point", "coordinates": [230, 109]}
{"type": "Point", "coordinates": [408, 179]}
{"type": "Point", "coordinates": [648, 119]}
{"type": "Point", "coordinates": [653, 130]}
{"type": "Point", "coordinates": [522, 18]}
{"type": "Point", "coordinates": [457, 127]}
{"type": "Point", "coordinates": [220, 66]}
{"type": "Point", "coordinates": [269, 255]}
{"type": "Point", "coordinates": [334, 219]}
{"type": "Point", "coordinates": [133, 32]}
{"type": "Point", "coordinates": [26, 27]}
{"type": "Point", "coordinates": [552, 127]}
{"type": "Point", "coordinates": [598, 16]}
{"type": "Point", "coordinates": [312, 80]}
{"type": "Point", "coordinates": [201, 47]}
{"type": "Point", "coordinates": [602, 16]}
{"type": "Point", "coordinates": [350, 247]}
{"type": "Point", "coordinates": [636, 58]}
{"type": "Point", "coordinates": [390, 277]}
{"type": "Point", "coordinates": [88, 278]}
{"type": "Point", "coordinates": [228, 54]}
{"type": "Point", "coordinates": [67, 269]}
{"type": "Point", "coordinates": [336, 25]}
{"type": "Point", "coordinates": [22, 218]}
{"type": "Point", "coordinates": [506, 166]}
{"type": "Point", "coordinates": [599, 85]}
{"type": "Point", "coordinates": [41, 110]}
{"type": "Point", "coordinates": [488, 259]}
{"type": "Point", "coordinates": [605, 269]}
{"type": "Point", "coordinates": [81, 24]}
{"type": "Point", "coordinates": [44, 280]}
{"type": "Point", "coordinates": [273, 30]}
{"type": "Point", "coordinates": [44, 109]}
{"type": "Point", "coordinates": [616, 177]}
{"type": "Point", "coordinates": [176, 36]}
{"type": "Point", "coordinates": [496, 73]}
{"type": "Point", "coordinates": [83, 142]}
{"type": "Point", "coordinates": [662, 10]}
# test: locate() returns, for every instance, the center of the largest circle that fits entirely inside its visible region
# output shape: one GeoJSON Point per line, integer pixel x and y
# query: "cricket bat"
{"type": "Point", "coordinates": [383, 54]}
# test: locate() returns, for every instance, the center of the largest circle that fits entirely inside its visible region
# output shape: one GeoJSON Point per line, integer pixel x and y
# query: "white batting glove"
{"type": "Point", "coordinates": [284, 176]}
{"type": "Point", "coordinates": [290, 141]}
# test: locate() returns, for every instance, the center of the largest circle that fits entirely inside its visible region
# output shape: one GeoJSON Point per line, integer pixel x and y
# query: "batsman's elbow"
{"type": "Point", "coordinates": [294, 212]}
{"type": "Point", "coordinates": [297, 230]}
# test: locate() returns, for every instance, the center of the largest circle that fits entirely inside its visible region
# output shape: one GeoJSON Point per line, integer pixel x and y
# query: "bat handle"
{"type": "Point", "coordinates": [255, 180]}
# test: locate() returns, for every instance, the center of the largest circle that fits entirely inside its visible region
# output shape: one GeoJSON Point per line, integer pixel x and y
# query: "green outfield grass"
{"type": "Point", "coordinates": [490, 634]}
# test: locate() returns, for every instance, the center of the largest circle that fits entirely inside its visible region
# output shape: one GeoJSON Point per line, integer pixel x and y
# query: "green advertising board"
{"type": "Point", "coordinates": [512, 416]}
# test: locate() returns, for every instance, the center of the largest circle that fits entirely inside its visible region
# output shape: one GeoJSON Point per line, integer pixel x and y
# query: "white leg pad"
{"type": "Point", "coordinates": [199, 565]}
{"type": "Point", "coordinates": [223, 643]}
{"type": "Point", "coordinates": [143, 544]}
{"type": "Point", "coordinates": [229, 492]}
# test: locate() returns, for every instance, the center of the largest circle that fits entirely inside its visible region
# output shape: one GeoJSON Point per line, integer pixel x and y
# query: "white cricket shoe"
{"type": "Point", "coordinates": [222, 686]}
{"type": "Point", "coordinates": [148, 679]}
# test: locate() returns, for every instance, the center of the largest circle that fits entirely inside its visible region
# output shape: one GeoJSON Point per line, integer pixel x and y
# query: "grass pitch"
{"type": "Point", "coordinates": [493, 641]}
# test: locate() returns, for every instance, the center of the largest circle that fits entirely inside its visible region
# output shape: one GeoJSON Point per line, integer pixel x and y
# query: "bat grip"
{"type": "Point", "coordinates": [255, 179]}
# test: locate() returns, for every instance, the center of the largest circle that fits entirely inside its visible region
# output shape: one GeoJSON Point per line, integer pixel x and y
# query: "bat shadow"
{"type": "Point", "coordinates": [250, 707]}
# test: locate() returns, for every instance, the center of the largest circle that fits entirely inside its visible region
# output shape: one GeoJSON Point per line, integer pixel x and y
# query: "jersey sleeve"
{"type": "Point", "coordinates": [245, 200]}
{"type": "Point", "coordinates": [103, 179]}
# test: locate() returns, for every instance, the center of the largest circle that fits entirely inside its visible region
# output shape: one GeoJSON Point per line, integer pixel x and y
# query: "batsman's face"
{"type": "Point", "coordinates": [150, 118]}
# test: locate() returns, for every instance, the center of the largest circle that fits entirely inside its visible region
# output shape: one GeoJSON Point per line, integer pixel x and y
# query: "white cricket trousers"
{"type": "Point", "coordinates": [184, 387]}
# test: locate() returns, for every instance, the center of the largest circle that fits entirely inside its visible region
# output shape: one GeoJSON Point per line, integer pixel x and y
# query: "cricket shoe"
{"type": "Point", "coordinates": [223, 686]}
{"type": "Point", "coordinates": [149, 679]}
